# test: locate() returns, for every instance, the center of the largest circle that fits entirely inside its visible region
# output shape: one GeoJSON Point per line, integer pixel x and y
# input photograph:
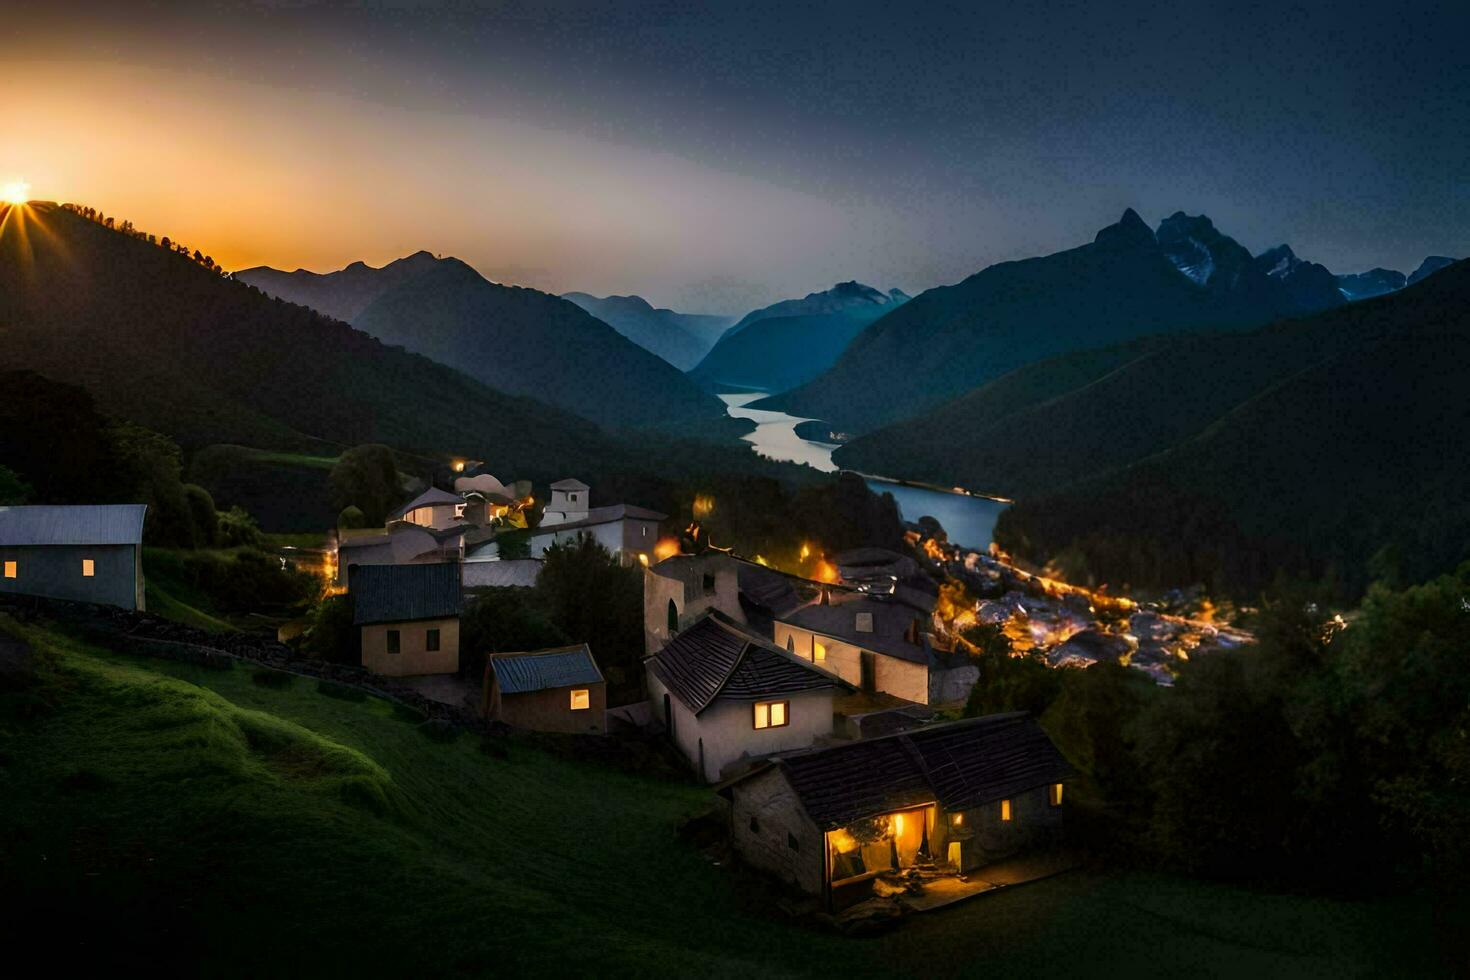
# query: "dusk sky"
{"type": "Point", "coordinates": [719, 158]}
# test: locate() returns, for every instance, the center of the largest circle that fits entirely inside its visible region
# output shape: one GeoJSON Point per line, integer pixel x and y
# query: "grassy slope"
{"type": "Point", "coordinates": [182, 818]}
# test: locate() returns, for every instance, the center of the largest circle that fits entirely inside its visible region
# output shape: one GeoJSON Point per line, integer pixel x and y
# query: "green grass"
{"type": "Point", "coordinates": [185, 819]}
{"type": "Point", "coordinates": [294, 459]}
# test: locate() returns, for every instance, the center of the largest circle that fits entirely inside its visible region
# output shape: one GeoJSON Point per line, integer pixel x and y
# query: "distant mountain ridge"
{"type": "Point", "coordinates": [1124, 284]}
{"type": "Point", "coordinates": [515, 339]}
{"type": "Point", "coordinates": [679, 338]}
{"type": "Point", "coordinates": [343, 294]}
{"type": "Point", "coordinates": [790, 342]}
{"type": "Point", "coordinates": [159, 340]}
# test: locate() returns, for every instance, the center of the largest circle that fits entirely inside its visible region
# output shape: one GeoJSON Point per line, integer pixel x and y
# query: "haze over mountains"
{"type": "Point", "coordinates": [679, 338]}
{"type": "Point", "coordinates": [787, 343]}
{"type": "Point", "coordinates": [516, 340]}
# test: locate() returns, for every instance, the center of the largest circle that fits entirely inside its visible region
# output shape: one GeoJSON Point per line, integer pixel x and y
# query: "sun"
{"type": "Point", "coordinates": [16, 192]}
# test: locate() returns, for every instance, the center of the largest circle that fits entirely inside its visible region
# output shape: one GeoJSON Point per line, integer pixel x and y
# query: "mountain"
{"type": "Point", "coordinates": [342, 294]}
{"type": "Point", "coordinates": [1301, 448]}
{"type": "Point", "coordinates": [164, 342]}
{"type": "Point", "coordinates": [788, 343]}
{"type": "Point", "coordinates": [1307, 286]}
{"type": "Point", "coordinates": [1122, 285]}
{"type": "Point", "coordinates": [1375, 282]}
{"type": "Point", "coordinates": [516, 340]}
{"type": "Point", "coordinates": [679, 338]}
{"type": "Point", "coordinates": [527, 342]}
{"type": "Point", "coordinates": [1429, 267]}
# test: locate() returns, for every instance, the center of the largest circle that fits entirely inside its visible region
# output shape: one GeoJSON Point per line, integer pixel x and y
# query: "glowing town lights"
{"type": "Point", "coordinates": [806, 552]}
{"type": "Point", "coordinates": [16, 192]}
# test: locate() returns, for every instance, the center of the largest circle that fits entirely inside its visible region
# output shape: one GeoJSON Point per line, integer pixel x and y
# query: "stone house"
{"type": "Point", "coordinates": [556, 690]}
{"type": "Point", "coordinates": [726, 696]}
{"type": "Point", "coordinates": [91, 553]}
{"type": "Point", "coordinates": [679, 590]}
{"type": "Point", "coordinates": [407, 617]}
{"type": "Point", "coordinates": [953, 796]}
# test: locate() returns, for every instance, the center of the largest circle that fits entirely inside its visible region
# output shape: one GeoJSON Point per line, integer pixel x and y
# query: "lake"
{"type": "Point", "coordinates": [969, 520]}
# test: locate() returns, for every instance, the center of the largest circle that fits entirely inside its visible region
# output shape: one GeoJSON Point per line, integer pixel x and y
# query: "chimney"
{"type": "Point", "coordinates": [826, 597]}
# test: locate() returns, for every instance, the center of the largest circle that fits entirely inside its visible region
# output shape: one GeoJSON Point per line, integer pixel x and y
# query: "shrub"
{"type": "Point", "coordinates": [277, 679]}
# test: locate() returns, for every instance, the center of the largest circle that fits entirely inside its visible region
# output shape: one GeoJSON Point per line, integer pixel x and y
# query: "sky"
{"type": "Point", "coordinates": [718, 157]}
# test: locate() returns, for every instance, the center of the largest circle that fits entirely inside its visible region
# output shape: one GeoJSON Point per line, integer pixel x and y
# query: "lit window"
{"type": "Point", "coordinates": [393, 645]}
{"type": "Point", "coordinates": [770, 714]}
{"type": "Point", "coordinates": [819, 652]}
{"type": "Point", "coordinates": [10, 569]}
{"type": "Point", "coordinates": [88, 568]}
{"type": "Point", "coordinates": [956, 819]}
{"type": "Point", "coordinates": [1005, 811]}
{"type": "Point", "coordinates": [581, 699]}
{"type": "Point", "coordinates": [1054, 794]}
{"type": "Point", "coordinates": [431, 641]}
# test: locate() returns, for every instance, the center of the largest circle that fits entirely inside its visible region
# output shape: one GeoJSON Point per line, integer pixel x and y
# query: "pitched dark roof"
{"type": "Point", "coordinates": [570, 484]}
{"type": "Point", "coordinates": [429, 498]}
{"type": "Point", "coordinates": [716, 658]}
{"type": "Point", "coordinates": [891, 619]}
{"type": "Point", "coordinates": [540, 670]}
{"type": "Point", "coordinates": [601, 515]}
{"type": "Point", "coordinates": [400, 593]}
{"type": "Point", "coordinates": [960, 765]}
{"type": "Point", "coordinates": [81, 524]}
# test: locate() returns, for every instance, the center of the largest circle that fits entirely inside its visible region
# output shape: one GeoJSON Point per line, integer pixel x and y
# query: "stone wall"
{"type": "Point", "coordinates": [766, 820]}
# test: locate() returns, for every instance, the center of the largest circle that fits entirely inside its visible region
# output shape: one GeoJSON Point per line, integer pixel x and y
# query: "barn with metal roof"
{"type": "Point", "coordinates": [82, 553]}
{"type": "Point", "coordinates": [555, 690]}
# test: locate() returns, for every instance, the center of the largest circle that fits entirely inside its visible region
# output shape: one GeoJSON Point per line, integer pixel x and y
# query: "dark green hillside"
{"type": "Point", "coordinates": [1340, 454]}
{"type": "Point", "coordinates": [162, 341]}
{"type": "Point", "coordinates": [781, 352]}
{"type": "Point", "coordinates": [527, 342]}
{"type": "Point", "coordinates": [175, 820]}
{"type": "Point", "coordinates": [953, 339]}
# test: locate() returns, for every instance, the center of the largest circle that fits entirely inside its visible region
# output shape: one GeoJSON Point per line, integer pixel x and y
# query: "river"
{"type": "Point", "coordinates": [969, 520]}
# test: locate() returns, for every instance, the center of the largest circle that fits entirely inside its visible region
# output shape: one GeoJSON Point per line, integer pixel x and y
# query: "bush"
{"type": "Point", "coordinates": [332, 636]}
{"type": "Point", "coordinates": [237, 529]}
{"type": "Point", "coordinates": [202, 515]}
{"type": "Point", "coordinates": [351, 518]}
{"type": "Point", "coordinates": [277, 679]}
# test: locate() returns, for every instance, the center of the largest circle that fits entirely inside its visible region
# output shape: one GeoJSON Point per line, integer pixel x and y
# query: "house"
{"type": "Point", "coordinates": [401, 543]}
{"type": "Point", "coordinates": [408, 617]}
{"type": "Point", "coordinates": [434, 508]}
{"type": "Point", "coordinates": [91, 553]}
{"type": "Point", "coordinates": [958, 796]}
{"type": "Point", "coordinates": [627, 531]}
{"type": "Point", "coordinates": [879, 643]}
{"type": "Point", "coordinates": [487, 500]}
{"type": "Point", "coordinates": [680, 589]}
{"type": "Point", "coordinates": [559, 690]}
{"type": "Point", "coordinates": [726, 696]}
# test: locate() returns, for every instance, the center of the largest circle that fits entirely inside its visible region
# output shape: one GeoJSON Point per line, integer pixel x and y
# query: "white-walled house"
{"type": "Point", "coordinates": [628, 532]}
{"type": "Point", "coordinates": [726, 696]}
{"type": "Point", "coordinates": [434, 508]}
{"type": "Point", "coordinates": [680, 589]}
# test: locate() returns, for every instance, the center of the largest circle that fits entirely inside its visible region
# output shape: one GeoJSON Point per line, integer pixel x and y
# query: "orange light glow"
{"type": "Point", "coordinates": [704, 505]}
{"type": "Point", "coordinates": [806, 551]}
{"type": "Point", "coordinates": [898, 823]}
{"type": "Point", "coordinates": [16, 192]}
{"type": "Point", "coordinates": [825, 572]}
{"type": "Point", "coordinates": [666, 548]}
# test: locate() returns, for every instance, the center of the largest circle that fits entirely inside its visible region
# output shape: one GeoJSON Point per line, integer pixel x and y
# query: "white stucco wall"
{"type": "Point", "coordinates": [901, 678]}
{"type": "Point", "coordinates": [727, 728]}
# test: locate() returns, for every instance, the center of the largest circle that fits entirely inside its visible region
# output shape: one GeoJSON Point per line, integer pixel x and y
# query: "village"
{"type": "Point", "coordinates": [825, 714]}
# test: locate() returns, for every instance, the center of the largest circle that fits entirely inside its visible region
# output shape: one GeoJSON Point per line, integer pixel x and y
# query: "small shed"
{"type": "Point", "coordinates": [555, 690]}
{"type": "Point", "coordinates": [84, 553]}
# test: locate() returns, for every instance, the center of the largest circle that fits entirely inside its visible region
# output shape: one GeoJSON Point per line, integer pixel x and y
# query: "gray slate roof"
{"type": "Point", "coordinates": [716, 658]}
{"type": "Point", "coordinates": [570, 484]}
{"type": "Point", "coordinates": [541, 670]}
{"type": "Point", "coordinates": [401, 593]}
{"type": "Point", "coordinates": [960, 765]}
{"type": "Point", "coordinates": [507, 573]}
{"type": "Point", "coordinates": [80, 524]}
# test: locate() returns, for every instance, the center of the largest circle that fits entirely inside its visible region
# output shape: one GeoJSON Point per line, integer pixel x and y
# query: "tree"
{"type": "Point", "coordinates": [13, 490]}
{"type": "Point", "coordinates": [202, 515]}
{"type": "Point", "coordinates": [593, 599]}
{"type": "Point", "coordinates": [504, 621]}
{"type": "Point", "coordinates": [367, 478]}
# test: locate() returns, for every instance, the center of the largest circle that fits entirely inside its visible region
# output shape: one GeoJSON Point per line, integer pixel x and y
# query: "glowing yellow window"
{"type": "Point", "coordinates": [581, 699]}
{"type": "Point", "coordinates": [10, 569]}
{"type": "Point", "coordinates": [1005, 811]}
{"type": "Point", "coordinates": [956, 819]}
{"type": "Point", "coordinates": [1054, 794]}
{"type": "Point", "coordinates": [819, 652]}
{"type": "Point", "coordinates": [88, 569]}
{"type": "Point", "coordinates": [770, 714]}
